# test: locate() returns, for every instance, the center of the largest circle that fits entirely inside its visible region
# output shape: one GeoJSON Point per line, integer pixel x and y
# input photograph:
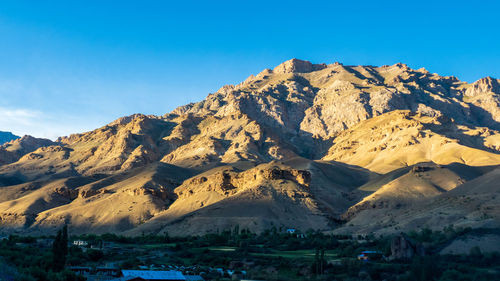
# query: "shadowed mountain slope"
{"type": "Point", "coordinates": [471, 204]}
{"type": "Point", "coordinates": [7, 137]}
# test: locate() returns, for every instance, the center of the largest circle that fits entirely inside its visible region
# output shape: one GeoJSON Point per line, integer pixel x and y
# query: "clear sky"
{"type": "Point", "coordinates": [72, 66]}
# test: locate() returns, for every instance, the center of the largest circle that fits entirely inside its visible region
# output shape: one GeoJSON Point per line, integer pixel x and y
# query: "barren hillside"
{"type": "Point", "coordinates": [327, 147]}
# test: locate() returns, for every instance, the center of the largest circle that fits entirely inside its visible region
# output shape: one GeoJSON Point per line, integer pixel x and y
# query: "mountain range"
{"type": "Point", "coordinates": [344, 149]}
{"type": "Point", "coordinates": [7, 137]}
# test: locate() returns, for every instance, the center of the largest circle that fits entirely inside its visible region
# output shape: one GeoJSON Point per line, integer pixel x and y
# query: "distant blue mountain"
{"type": "Point", "coordinates": [6, 137]}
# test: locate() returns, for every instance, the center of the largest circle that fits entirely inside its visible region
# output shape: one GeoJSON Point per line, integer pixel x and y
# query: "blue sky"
{"type": "Point", "coordinates": [72, 66]}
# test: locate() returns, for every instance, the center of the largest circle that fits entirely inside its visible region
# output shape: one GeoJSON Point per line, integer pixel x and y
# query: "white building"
{"type": "Point", "coordinates": [80, 243]}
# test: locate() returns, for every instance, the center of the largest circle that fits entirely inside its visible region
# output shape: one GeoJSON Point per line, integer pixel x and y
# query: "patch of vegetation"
{"type": "Point", "coordinates": [271, 255]}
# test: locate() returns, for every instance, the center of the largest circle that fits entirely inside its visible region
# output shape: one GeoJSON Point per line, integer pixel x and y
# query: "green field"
{"type": "Point", "coordinates": [299, 254]}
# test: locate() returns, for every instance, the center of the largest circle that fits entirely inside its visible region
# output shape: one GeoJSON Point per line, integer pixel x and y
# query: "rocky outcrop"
{"type": "Point", "coordinates": [297, 66]}
{"type": "Point", "coordinates": [300, 176]}
{"type": "Point", "coordinates": [67, 193]}
{"type": "Point", "coordinates": [404, 248]}
{"type": "Point", "coordinates": [87, 193]}
{"type": "Point", "coordinates": [230, 181]}
{"type": "Point", "coordinates": [159, 192]}
{"type": "Point", "coordinates": [483, 86]}
{"type": "Point", "coordinates": [484, 97]}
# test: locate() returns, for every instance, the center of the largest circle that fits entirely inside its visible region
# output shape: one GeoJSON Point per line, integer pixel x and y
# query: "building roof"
{"type": "Point", "coordinates": [154, 275]}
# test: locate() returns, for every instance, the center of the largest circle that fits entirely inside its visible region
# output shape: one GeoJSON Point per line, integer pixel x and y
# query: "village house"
{"type": "Point", "coordinates": [370, 255]}
{"type": "Point", "coordinates": [80, 243]}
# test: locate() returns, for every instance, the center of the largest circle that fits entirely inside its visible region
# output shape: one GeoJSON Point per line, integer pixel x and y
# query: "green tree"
{"type": "Point", "coordinates": [424, 269]}
{"type": "Point", "coordinates": [60, 249]}
{"type": "Point", "coordinates": [64, 242]}
{"type": "Point", "coordinates": [475, 252]}
{"type": "Point", "coordinates": [322, 261]}
{"type": "Point", "coordinates": [95, 255]}
{"type": "Point", "coordinates": [236, 230]}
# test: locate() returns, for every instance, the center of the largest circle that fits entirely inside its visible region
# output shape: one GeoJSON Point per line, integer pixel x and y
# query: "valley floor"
{"type": "Point", "coordinates": [272, 255]}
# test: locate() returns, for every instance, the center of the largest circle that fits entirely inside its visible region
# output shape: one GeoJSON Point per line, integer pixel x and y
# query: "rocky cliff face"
{"type": "Point", "coordinates": [484, 100]}
{"type": "Point", "coordinates": [323, 100]}
{"type": "Point", "coordinates": [333, 126]}
{"type": "Point", "coordinates": [403, 248]}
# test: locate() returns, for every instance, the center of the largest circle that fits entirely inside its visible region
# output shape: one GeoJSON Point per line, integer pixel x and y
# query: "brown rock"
{"type": "Point", "coordinates": [402, 247]}
{"type": "Point", "coordinates": [298, 66]}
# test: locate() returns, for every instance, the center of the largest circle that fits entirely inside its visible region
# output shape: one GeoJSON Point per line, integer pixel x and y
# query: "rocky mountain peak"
{"type": "Point", "coordinates": [483, 86]}
{"type": "Point", "coordinates": [30, 141]}
{"type": "Point", "coordinates": [126, 119]}
{"type": "Point", "coordinates": [402, 65]}
{"type": "Point", "coordinates": [298, 66]}
{"type": "Point", "coordinates": [12, 151]}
